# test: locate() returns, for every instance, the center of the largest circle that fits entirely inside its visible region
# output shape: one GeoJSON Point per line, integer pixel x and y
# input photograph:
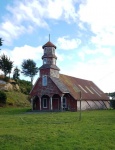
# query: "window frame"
{"type": "Point", "coordinates": [45, 61]}
{"type": "Point", "coordinates": [44, 80]}
{"type": "Point", "coordinates": [45, 103]}
{"type": "Point", "coordinates": [64, 102]}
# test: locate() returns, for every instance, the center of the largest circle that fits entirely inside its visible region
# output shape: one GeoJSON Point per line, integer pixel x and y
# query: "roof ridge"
{"type": "Point", "coordinates": [75, 77]}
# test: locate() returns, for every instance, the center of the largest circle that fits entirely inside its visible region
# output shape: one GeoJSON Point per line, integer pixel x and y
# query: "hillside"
{"type": "Point", "coordinates": [15, 98]}
{"type": "Point", "coordinates": [17, 92]}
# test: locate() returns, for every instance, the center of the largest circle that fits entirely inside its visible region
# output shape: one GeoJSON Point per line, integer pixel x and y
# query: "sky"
{"type": "Point", "coordinates": [82, 30]}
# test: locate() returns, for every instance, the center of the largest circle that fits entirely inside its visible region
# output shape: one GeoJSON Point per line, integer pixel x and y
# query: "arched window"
{"type": "Point", "coordinates": [45, 102]}
{"type": "Point", "coordinates": [44, 80]}
{"type": "Point", "coordinates": [45, 61]}
{"type": "Point", "coordinates": [45, 50]}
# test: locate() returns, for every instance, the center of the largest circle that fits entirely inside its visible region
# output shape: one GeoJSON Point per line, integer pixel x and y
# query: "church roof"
{"type": "Point", "coordinates": [46, 66]}
{"type": "Point", "coordinates": [49, 44]}
{"type": "Point", "coordinates": [60, 85]}
{"type": "Point", "coordinates": [89, 90]}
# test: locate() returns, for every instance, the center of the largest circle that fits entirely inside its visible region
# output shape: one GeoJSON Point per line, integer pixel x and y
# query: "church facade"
{"type": "Point", "coordinates": [57, 92]}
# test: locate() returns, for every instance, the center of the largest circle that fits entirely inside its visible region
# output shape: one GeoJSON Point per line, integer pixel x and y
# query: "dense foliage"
{"type": "Point", "coordinates": [112, 94]}
{"type": "Point", "coordinates": [3, 97]}
{"type": "Point", "coordinates": [112, 102]}
{"type": "Point", "coordinates": [1, 41]}
{"type": "Point", "coordinates": [6, 64]}
{"type": "Point", "coordinates": [29, 69]}
{"type": "Point", "coordinates": [16, 73]}
{"type": "Point", "coordinates": [25, 86]}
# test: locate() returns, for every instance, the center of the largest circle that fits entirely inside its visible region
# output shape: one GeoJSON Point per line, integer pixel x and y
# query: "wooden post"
{"type": "Point", "coordinates": [32, 104]}
{"type": "Point", "coordinates": [62, 103]}
{"type": "Point", "coordinates": [51, 103]}
{"type": "Point", "coordinates": [80, 106]}
{"type": "Point", "coordinates": [40, 102]}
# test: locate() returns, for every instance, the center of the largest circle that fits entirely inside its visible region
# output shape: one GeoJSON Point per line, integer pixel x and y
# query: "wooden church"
{"type": "Point", "coordinates": [58, 92]}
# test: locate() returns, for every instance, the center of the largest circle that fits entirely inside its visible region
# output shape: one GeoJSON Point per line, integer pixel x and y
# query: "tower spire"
{"type": "Point", "coordinates": [49, 37]}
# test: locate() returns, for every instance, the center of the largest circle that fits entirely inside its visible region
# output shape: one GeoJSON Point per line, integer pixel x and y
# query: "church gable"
{"type": "Point", "coordinates": [49, 88]}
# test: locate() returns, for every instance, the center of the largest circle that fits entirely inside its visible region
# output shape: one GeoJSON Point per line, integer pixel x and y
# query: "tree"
{"type": "Point", "coordinates": [112, 101]}
{"type": "Point", "coordinates": [16, 73]}
{"type": "Point", "coordinates": [6, 64]}
{"type": "Point", "coordinates": [1, 42]}
{"type": "Point", "coordinates": [29, 69]}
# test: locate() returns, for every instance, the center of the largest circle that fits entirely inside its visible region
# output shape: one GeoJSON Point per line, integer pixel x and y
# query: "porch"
{"type": "Point", "coordinates": [53, 103]}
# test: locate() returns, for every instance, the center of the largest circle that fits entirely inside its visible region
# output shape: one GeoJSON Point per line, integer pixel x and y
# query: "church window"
{"type": "Point", "coordinates": [45, 50]}
{"type": "Point", "coordinates": [53, 52]}
{"type": "Point", "coordinates": [44, 80]}
{"type": "Point", "coordinates": [45, 61]}
{"type": "Point", "coordinates": [44, 102]}
{"type": "Point", "coordinates": [64, 102]}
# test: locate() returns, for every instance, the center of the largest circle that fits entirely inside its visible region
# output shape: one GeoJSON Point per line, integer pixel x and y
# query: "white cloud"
{"type": "Point", "coordinates": [61, 9]}
{"type": "Point", "coordinates": [25, 16]}
{"type": "Point", "coordinates": [100, 15]}
{"type": "Point", "coordinates": [60, 57]}
{"type": "Point", "coordinates": [100, 71]}
{"type": "Point", "coordinates": [67, 43]}
{"type": "Point", "coordinates": [102, 52]}
{"type": "Point", "coordinates": [18, 54]}
{"type": "Point", "coordinates": [105, 38]}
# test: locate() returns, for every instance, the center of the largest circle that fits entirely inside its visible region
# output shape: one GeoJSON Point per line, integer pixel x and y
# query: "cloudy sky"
{"type": "Point", "coordinates": [82, 30]}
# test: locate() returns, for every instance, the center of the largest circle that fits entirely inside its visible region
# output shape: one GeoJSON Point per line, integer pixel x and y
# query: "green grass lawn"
{"type": "Point", "coordinates": [22, 130]}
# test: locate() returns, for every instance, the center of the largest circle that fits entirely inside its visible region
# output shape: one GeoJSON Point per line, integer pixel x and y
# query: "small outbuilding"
{"type": "Point", "coordinates": [57, 92]}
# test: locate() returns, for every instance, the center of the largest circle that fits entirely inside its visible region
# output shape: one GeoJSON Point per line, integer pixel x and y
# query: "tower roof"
{"type": "Point", "coordinates": [49, 44]}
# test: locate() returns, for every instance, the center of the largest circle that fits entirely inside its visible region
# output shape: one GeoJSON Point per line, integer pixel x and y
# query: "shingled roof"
{"type": "Point", "coordinates": [49, 44]}
{"type": "Point", "coordinates": [59, 84]}
{"type": "Point", "coordinates": [89, 90]}
{"type": "Point", "coordinates": [45, 66]}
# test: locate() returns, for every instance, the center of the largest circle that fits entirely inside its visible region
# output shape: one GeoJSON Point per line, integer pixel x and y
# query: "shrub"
{"type": "Point", "coordinates": [3, 97]}
{"type": "Point", "coordinates": [112, 102]}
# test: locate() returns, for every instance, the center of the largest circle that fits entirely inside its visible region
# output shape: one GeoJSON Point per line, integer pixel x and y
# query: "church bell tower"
{"type": "Point", "coordinates": [49, 58]}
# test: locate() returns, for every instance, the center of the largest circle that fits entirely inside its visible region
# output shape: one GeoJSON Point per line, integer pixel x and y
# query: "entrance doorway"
{"type": "Point", "coordinates": [55, 103]}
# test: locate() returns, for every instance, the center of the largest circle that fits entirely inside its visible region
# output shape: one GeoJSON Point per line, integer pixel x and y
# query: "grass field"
{"type": "Point", "coordinates": [23, 130]}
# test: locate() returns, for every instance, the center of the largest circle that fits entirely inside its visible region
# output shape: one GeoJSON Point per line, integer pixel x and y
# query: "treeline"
{"type": "Point", "coordinates": [7, 66]}
{"type": "Point", "coordinates": [28, 68]}
{"type": "Point", "coordinates": [112, 101]}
